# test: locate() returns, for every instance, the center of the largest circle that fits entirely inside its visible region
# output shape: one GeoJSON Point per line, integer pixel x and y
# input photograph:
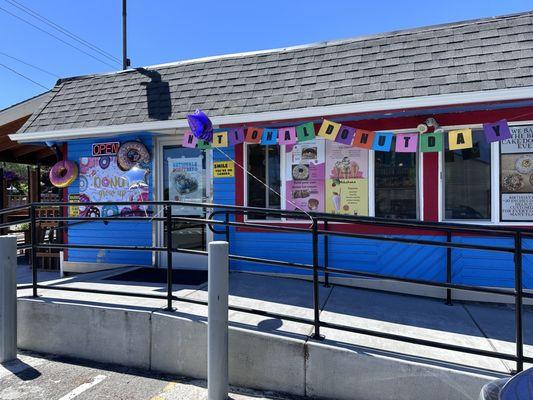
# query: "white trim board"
{"type": "Point", "coordinates": [484, 96]}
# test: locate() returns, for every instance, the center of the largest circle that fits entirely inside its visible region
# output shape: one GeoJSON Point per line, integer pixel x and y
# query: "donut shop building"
{"type": "Point", "coordinates": [430, 124]}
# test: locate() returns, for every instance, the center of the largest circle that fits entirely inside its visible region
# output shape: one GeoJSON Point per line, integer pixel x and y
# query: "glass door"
{"type": "Point", "coordinates": [184, 178]}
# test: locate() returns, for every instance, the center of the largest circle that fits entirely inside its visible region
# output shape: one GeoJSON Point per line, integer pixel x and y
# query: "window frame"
{"type": "Point", "coordinates": [371, 183]}
{"type": "Point", "coordinates": [495, 206]}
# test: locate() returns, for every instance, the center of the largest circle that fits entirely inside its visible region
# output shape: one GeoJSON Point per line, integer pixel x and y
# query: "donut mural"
{"type": "Point", "coordinates": [63, 173]}
{"type": "Point", "coordinates": [102, 180]}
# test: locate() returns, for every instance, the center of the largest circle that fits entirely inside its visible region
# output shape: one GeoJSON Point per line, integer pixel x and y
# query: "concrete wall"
{"type": "Point", "coordinates": [176, 343]}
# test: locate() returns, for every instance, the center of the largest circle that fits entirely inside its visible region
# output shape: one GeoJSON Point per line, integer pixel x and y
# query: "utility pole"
{"type": "Point", "coordinates": [125, 60]}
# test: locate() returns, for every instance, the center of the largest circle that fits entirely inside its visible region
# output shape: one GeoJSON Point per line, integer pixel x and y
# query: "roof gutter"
{"type": "Point", "coordinates": [299, 113]}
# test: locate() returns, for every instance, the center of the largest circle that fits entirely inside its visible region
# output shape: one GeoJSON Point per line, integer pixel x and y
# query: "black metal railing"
{"type": "Point", "coordinates": [315, 225]}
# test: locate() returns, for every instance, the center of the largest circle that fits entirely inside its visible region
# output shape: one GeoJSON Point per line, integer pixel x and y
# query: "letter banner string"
{"type": "Point", "coordinates": [426, 142]}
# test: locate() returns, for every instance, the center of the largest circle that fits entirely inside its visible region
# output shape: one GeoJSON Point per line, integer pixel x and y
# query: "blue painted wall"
{"type": "Point", "coordinates": [470, 267]}
{"type": "Point", "coordinates": [114, 233]}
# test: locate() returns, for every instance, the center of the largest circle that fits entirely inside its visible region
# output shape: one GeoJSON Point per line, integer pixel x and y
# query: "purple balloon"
{"type": "Point", "coordinates": [200, 125]}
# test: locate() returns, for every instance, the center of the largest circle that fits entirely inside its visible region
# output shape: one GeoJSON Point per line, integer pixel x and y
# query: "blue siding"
{"type": "Point", "coordinates": [471, 267]}
{"type": "Point", "coordinates": [114, 233]}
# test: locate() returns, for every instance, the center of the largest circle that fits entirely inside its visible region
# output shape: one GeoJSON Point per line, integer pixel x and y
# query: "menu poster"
{"type": "Point", "coordinates": [305, 170]}
{"type": "Point", "coordinates": [516, 175]}
{"type": "Point", "coordinates": [186, 183]}
{"type": "Point", "coordinates": [347, 180]}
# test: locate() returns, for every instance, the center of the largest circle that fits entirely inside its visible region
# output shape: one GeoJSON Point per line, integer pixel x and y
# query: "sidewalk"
{"type": "Point", "coordinates": [35, 377]}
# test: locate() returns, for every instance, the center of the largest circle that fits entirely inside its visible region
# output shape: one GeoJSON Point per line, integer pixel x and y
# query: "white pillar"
{"type": "Point", "coordinates": [217, 338]}
{"type": "Point", "coordinates": [8, 298]}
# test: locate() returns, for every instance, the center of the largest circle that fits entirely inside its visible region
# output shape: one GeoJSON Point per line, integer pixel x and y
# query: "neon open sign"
{"type": "Point", "coordinates": [105, 149]}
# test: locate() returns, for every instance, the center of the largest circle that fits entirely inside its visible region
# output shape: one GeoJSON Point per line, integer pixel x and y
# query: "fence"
{"type": "Point", "coordinates": [222, 218]}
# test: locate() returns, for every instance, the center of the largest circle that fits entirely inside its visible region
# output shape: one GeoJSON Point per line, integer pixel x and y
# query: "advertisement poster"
{"type": "Point", "coordinates": [102, 180]}
{"type": "Point", "coordinates": [521, 140]}
{"type": "Point", "coordinates": [305, 171]}
{"type": "Point", "coordinates": [74, 211]}
{"type": "Point", "coordinates": [186, 183]}
{"type": "Point", "coordinates": [516, 175]}
{"type": "Point", "coordinates": [346, 180]}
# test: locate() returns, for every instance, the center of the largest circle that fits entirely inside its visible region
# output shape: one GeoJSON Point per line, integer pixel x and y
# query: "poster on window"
{"type": "Point", "coordinates": [186, 183]}
{"type": "Point", "coordinates": [101, 180]}
{"type": "Point", "coordinates": [521, 140]}
{"type": "Point", "coordinates": [305, 168]}
{"type": "Point", "coordinates": [346, 180]}
{"type": "Point", "coordinates": [516, 187]}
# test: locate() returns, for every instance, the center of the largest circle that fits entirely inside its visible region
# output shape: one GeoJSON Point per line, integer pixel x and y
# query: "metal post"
{"type": "Point", "coordinates": [518, 303]}
{"type": "Point", "coordinates": [226, 219]}
{"type": "Point", "coordinates": [2, 197]}
{"type": "Point", "coordinates": [38, 183]}
{"type": "Point", "coordinates": [316, 297]}
{"type": "Point", "coordinates": [34, 240]}
{"type": "Point", "coordinates": [8, 298]}
{"type": "Point", "coordinates": [168, 223]}
{"type": "Point", "coordinates": [125, 60]}
{"type": "Point", "coordinates": [448, 268]}
{"type": "Point", "coordinates": [326, 256]}
{"type": "Point", "coordinates": [217, 321]}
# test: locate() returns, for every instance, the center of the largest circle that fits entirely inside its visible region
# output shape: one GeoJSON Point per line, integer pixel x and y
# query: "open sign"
{"type": "Point", "coordinates": [105, 149]}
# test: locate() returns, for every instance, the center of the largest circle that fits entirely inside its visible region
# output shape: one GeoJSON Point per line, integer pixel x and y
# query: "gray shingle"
{"type": "Point", "coordinates": [486, 54]}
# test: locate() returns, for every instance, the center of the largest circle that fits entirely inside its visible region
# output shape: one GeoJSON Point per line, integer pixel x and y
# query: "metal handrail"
{"type": "Point", "coordinates": [316, 220]}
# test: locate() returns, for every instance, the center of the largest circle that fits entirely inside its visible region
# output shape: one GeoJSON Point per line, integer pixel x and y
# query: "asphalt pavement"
{"type": "Point", "coordinates": [36, 377]}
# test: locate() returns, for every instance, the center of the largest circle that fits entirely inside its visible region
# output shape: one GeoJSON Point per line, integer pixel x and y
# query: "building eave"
{"type": "Point", "coordinates": [485, 96]}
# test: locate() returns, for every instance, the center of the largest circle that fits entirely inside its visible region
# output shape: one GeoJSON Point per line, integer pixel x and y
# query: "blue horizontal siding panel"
{"type": "Point", "coordinates": [114, 233]}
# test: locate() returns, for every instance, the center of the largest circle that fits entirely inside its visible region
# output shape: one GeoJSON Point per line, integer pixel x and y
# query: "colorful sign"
{"type": "Point", "coordinates": [186, 183]}
{"type": "Point", "coordinates": [431, 142]}
{"type": "Point", "coordinates": [460, 139]}
{"type": "Point", "coordinates": [346, 180]}
{"type": "Point", "coordinates": [101, 180]}
{"type": "Point", "coordinates": [406, 143]}
{"type": "Point", "coordinates": [304, 188]}
{"type": "Point", "coordinates": [74, 211]}
{"type": "Point", "coordinates": [329, 130]}
{"type": "Point", "coordinates": [382, 141]}
{"type": "Point", "coordinates": [497, 131]}
{"type": "Point", "coordinates": [105, 149]}
{"type": "Point", "coordinates": [223, 169]}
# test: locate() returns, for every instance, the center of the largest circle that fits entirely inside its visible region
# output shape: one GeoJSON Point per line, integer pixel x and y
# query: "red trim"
{"type": "Point", "coordinates": [430, 183]}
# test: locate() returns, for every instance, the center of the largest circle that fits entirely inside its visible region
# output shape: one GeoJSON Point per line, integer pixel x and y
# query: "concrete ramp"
{"type": "Point", "coordinates": [275, 354]}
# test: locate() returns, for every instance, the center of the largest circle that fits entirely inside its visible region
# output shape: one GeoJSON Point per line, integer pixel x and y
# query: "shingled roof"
{"type": "Point", "coordinates": [485, 54]}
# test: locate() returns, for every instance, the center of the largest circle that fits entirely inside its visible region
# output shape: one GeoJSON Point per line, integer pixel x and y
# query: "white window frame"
{"type": "Point", "coordinates": [494, 178]}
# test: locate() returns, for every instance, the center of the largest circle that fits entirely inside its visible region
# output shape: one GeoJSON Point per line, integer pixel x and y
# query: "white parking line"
{"type": "Point", "coordinates": [82, 388]}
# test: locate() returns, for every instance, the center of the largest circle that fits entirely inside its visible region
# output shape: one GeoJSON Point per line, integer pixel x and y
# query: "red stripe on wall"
{"type": "Point", "coordinates": [430, 183]}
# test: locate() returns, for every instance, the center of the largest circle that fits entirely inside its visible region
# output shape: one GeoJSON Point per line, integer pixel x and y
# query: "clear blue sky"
{"type": "Point", "coordinates": [169, 30]}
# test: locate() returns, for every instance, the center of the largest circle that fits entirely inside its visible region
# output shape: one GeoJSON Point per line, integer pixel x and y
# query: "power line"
{"type": "Point", "coordinates": [24, 76]}
{"type": "Point", "coordinates": [62, 30]}
{"type": "Point", "coordinates": [30, 65]}
{"type": "Point", "coordinates": [56, 37]}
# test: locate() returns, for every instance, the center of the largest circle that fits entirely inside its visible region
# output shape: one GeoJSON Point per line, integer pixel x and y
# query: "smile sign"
{"type": "Point", "coordinates": [105, 149]}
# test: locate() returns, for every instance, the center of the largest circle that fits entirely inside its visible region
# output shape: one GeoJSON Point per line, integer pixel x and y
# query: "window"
{"type": "Point", "coordinates": [263, 163]}
{"type": "Point", "coordinates": [396, 184]}
{"type": "Point", "coordinates": [467, 181]}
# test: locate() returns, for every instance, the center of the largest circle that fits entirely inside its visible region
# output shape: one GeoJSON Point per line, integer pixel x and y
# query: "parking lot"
{"type": "Point", "coordinates": [36, 377]}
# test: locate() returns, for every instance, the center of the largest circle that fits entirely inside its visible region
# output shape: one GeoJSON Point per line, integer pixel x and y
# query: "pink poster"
{"type": "Point", "coordinates": [305, 173]}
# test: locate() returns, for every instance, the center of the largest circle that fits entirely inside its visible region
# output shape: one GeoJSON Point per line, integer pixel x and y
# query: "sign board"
{"type": "Point", "coordinates": [186, 183]}
{"type": "Point", "coordinates": [516, 175]}
{"type": "Point", "coordinates": [105, 149]}
{"type": "Point", "coordinates": [74, 211]}
{"type": "Point", "coordinates": [521, 140]}
{"type": "Point", "coordinates": [223, 169]}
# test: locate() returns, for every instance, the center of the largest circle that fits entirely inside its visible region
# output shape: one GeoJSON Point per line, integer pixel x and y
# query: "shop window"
{"type": "Point", "coordinates": [264, 164]}
{"type": "Point", "coordinates": [467, 181]}
{"type": "Point", "coordinates": [396, 185]}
